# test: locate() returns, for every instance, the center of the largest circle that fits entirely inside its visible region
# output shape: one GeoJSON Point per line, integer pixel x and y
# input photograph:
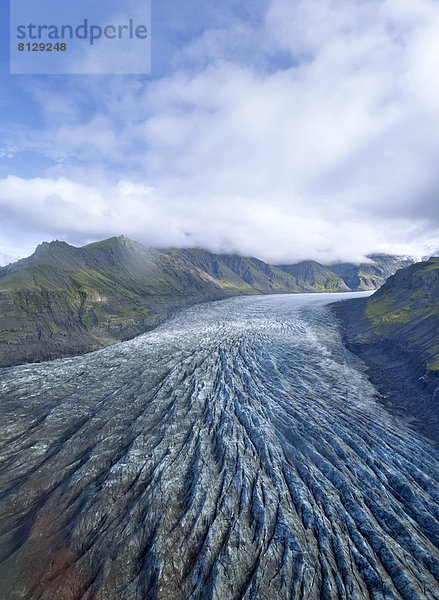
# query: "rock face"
{"type": "Point", "coordinates": [396, 331]}
{"type": "Point", "coordinates": [236, 452]}
{"type": "Point", "coordinates": [313, 276]}
{"type": "Point", "coordinates": [63, 300]}
{"type": "Point", "coordinates": [342, 277]}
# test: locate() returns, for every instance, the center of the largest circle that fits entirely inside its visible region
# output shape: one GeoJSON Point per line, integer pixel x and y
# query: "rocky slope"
{"type": "Point", "coordinates": [342, 277]}
{"type": "Point", "coordinates": [63, 300]}
{"type": "Point", "coordinates": [396, 331]}
{"type": "Point", "coordinates": [312, 276]}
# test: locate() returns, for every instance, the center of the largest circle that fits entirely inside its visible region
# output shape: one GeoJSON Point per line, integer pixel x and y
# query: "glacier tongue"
{"type": "Point", "coordinates": [236, 452]}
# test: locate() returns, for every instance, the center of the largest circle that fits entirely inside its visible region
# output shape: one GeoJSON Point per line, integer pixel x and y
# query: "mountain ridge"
{"type": "Point", "coordinates": [63, 300]}
{"type": "Point", "coordinates": [396, 333]}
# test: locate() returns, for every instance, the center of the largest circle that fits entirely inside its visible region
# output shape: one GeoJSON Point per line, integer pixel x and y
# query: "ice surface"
{"type": "Point", "coordinates": [236, 452]}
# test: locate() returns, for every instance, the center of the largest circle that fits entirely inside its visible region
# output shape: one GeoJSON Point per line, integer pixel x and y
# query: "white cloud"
{"type": "Point", "coordinates": [329, 155]}
{"type": "Point", "coordinates": [259, 226]}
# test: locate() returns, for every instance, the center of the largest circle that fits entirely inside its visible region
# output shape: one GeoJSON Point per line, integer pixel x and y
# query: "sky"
{"type": "Point", "coordinates": [282, 129]}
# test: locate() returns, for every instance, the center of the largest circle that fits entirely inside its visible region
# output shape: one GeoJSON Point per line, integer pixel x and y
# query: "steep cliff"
{"type": "Point", "coordinates": [342, 277]}
{"type": "Point", "coordinates": [396, 331]}
{"type": "Point", "coordinates": [64, 300]}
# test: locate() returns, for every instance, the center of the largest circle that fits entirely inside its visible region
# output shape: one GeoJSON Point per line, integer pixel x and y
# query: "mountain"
{"type": "Point", "coordinates": [311, 276]}
{"type": "Point", "coordinates": [238, 273]}
{"type": "Point", "coordinates": [64, 300]}
{"type": "Point", "coordinates": [396, 332]}
{"type": "Point", "coordinates": [344, 277]}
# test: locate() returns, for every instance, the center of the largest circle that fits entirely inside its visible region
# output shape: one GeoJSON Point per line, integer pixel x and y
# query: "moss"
{"type": "Point", "coordinates": [16, 283]}
{"type": "Point", "coordinates": [233, 288]}
{"type": "Point", "coordinates": [112, 283]}
{"type": "Point", "coordinates": [319, 287]}
{"type": "Point", "coordinates": [433, 366]}
{"type": "Point", "coordinates": [18, 302]}
{"type": "Point", "coordinates": [332, 284]}
{"type": "Point", "coordinates": [370, 276]}
{"type": "Point", "coordinates": [432, 265]}
{"type": "Point", "coordinates": [381, 312]}
{"type": "Point", "coordinates": [363, 340]}
{"type": "Point", "coordinates": [29, 302]}
{"type": "Point", "coordinates": [103, 243]}
{"type": "Point", "coordinates": [406, 312]}
{"type": "Point", "coordinates": [53, 328]}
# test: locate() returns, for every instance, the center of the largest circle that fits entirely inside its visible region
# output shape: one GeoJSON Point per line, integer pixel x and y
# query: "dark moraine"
{"type": "Point", "coordinates": [236, 452]}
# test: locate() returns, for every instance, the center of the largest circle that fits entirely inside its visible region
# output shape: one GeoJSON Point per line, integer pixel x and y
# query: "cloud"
{"type": "Point", "coordinates": [324, 146]}
{"type": "Point", "coordinates": [258, 226]}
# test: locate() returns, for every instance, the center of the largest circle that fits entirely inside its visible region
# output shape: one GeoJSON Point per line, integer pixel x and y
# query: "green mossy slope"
{"type": "Point", "coordinates": [405, 311]}
{"type": "Point", "coordinates": [396, 333]}
{"type": "Point", "coordinates": [64, 300]}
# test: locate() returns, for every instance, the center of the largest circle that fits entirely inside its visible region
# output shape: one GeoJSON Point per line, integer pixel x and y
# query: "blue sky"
{"type": "Point", "coordinates": [285, 130]}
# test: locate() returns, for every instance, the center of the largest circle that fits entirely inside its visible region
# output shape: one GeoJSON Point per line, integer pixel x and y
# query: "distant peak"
{"type": "Point", "coordinates": [114, 242]}
{"type": "Point", "coordinates": [126, 241]}
{"type": "Point", "coordinates": [44, 246]}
